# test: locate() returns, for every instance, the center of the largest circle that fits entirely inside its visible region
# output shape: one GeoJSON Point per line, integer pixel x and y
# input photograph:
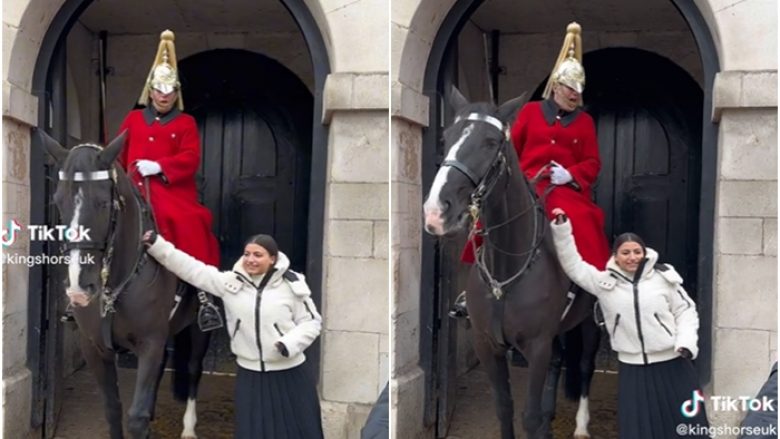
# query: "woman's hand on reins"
{"type": "Point", "coordinates": [149, 238]}
{"type": "Point", "coordinates": [560, 215]}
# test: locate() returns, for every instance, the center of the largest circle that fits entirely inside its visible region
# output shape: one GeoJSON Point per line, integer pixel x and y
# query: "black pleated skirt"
{"type": "Point", "coordinates": [650, 399]}
{"type": "Point", "coordinates": [277, 405]}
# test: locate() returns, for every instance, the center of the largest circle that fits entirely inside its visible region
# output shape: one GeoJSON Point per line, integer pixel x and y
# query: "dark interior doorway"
{"type": "Point", "coordinates": [254, 119]}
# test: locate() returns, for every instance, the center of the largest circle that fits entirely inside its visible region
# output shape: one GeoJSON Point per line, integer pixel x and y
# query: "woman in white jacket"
{"type": "Point", "coordinates": [271, 320]}
{"type": "Point", "coordinates": [652, 325]}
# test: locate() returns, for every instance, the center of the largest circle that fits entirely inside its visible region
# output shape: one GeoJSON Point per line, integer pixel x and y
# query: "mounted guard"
{"type": "Point", "coordinates": [161, 156]}
{"type": "Point", "coordinates": [555, 140]}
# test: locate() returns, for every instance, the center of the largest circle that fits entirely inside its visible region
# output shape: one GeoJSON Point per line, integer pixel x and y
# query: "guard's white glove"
{"type": "Point", "coordinates": [147, 167]}
{"type": "Point", "coordinates": [559, 175]}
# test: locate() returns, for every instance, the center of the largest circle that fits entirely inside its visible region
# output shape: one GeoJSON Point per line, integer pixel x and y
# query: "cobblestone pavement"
{"type": "Point", "coordinates": [474, 416]}
{"type": "Point", "coordinates": [82, 411]}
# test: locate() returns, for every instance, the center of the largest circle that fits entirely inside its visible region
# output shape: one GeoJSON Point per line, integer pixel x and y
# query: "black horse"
{"type": "Point", "coordinates": [516, 291]}
{"type": "Point", "coordinates": [124, 300]}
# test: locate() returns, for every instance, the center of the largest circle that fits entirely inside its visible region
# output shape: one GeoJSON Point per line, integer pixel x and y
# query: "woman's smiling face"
{"type": "Point", "coordinates": [257, 260]}
{"type": "Point", "coordinates": [629, 255]}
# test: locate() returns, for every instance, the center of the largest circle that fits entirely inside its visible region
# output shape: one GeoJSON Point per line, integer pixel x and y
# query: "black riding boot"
{"type": "Point", "coordinates": [458, 309]}
{"type": "Point", "coordinates": [209, 317]}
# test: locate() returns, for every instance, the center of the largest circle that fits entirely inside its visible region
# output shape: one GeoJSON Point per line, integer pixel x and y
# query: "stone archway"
{"type": "Point", "coordinates": [35, 29]}
{"type": "Point", "coordinates": [425, 31]}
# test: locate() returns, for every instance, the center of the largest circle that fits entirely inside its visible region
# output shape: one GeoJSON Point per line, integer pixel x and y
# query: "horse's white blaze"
{"type": "Point", "coordinates": [583, 418]}
{"type": "Point", "coordinates": [190, 419]}
{"type": "Point", "coordinates": [433, 206]}
{"type": "Point", "coordinates": [75, 291]}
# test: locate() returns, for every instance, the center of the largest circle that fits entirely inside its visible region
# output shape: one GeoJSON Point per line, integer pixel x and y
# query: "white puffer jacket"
{"type": "Point", "coordinates": [649, 319]}
{"type": "Point", "coordinates": [256, 318]}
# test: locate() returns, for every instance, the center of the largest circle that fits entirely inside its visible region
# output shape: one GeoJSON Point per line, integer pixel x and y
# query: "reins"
{"type": "Point", "coordinates": [109, 294]}
{"type": "Point", "coordinates": [483, 188]}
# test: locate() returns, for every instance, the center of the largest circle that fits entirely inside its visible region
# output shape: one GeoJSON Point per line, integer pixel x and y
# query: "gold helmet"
{"type": "Point", "coordinates": [163, 76]}
{"type": "Point", "coordinates": [568, 68]}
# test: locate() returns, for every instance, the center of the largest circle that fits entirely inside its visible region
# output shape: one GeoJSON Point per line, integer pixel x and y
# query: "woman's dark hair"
{"type": "Point", "coordinates": [265, 241]}
{"type": "Point", "coordinates": [628, 237]}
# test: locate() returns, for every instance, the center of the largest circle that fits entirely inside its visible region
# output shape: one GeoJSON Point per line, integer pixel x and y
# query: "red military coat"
{"type": "Point", "coordinates": [539, 136]}
{"type": "Point", "coordinates": [173, 142]}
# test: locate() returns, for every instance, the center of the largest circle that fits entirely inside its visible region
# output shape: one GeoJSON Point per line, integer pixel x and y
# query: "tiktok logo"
{"type": "Point", "coordinates": [691, 407]}
{"type": "Point", "coordinates": [9, 234]}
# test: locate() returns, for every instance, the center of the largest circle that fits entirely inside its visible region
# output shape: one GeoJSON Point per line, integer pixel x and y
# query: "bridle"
{"type": "Point", "coordinates": [109, 294]}
{"type": "Point", "coordinates": [482, 189]}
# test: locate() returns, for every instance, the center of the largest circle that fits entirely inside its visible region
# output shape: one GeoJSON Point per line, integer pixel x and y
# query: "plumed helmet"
{"type": "Point", "coordinates": [163, 76]}
{"type": "Point", "coordinates": [568, 68]}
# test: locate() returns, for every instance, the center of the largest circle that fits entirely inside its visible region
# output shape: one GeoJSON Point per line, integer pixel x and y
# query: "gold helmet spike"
{"type": "Point", "coordinates": [568, 68]}
{"type": "Point", "coordinates": [163, 75]}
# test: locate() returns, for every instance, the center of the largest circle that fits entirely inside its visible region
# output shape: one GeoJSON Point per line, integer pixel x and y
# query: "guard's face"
{"type": "Point", "coordinates": [163, 102]}
{"type": "Point", "coordinates": [257, 260]}
{"type": "Point", "coordinates": [566, 97]}
{"type": "Point", "coordinates": [629, 255]}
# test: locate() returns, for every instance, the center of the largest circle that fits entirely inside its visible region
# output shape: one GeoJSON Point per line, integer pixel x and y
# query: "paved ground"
{"type": "Point", "coordinates": [474, 416]}
{"type": "Point", "coordinates": [82, 412]}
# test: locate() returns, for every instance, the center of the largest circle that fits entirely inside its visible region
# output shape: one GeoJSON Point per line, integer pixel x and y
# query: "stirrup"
{"type": "Point", "coordinates": [458, 309]}
{"type": "Point", "coordinates": [209, 317]}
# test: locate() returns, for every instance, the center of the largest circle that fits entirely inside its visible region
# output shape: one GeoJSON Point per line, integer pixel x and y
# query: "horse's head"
{"type": "Point", "coordinates": [475, 142]}
{"type": "Point", "coordinates": [86, 199]}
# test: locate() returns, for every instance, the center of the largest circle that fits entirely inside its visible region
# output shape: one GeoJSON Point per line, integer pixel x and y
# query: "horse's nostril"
{"type": "Point", "coordinates": [91, 289]}
{"type": "Point", "coordinates": [429, 228]}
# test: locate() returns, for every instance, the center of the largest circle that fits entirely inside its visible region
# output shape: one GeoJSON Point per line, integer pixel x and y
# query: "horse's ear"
{"type": "Point", "coordinates": [456, 99]}
{"type": "Point", "coordinates": [508, 110]}
{"type": "Point", "coordinates": [51, 146]}
{"type": "Point", "coordinates": [111, 152]}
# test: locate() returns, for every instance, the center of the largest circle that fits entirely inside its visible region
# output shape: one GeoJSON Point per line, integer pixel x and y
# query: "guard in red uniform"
{"type": "Point", "coordinates": [163, 146]}
{"type": "Point", "coordinates": [556, 140]}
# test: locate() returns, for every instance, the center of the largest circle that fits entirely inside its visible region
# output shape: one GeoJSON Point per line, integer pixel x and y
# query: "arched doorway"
{"type": "Point", "coordinates": [308, 177]}
{"type": "Point", "coordinates": [687, 179]}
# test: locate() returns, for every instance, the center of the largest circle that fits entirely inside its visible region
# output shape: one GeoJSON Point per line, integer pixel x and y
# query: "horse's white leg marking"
{"type": "Point", "coordinates": [433, 206]}
{"type": "Point", "coordinates": [75, 292]}
{"type": "Point", "coordinates": [190, 419]}
{"type": "Point", "coordinates": [583, 417]}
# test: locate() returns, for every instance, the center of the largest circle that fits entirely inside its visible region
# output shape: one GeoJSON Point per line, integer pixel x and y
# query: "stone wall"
{"type": "Point", "coordinates": [17, 379]}
{"type": "Point", "coordinates": [745, 305]}
{"type": "Point", "coordinates": [355, 346]}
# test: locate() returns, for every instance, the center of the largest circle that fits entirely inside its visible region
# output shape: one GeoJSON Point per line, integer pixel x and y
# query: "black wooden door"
{"type": "Point", "coordinates": [254, 119]}
{"type": "Point", "coordinates": [648, 118]}
{"type": "Point", "coordinates": [249, 178]}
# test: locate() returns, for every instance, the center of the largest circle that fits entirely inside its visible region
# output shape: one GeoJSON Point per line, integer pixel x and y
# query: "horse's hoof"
{"type": "Point", "coordinates": [581, 436]}
{"type": "Point", "coordinates": [189, 437]}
